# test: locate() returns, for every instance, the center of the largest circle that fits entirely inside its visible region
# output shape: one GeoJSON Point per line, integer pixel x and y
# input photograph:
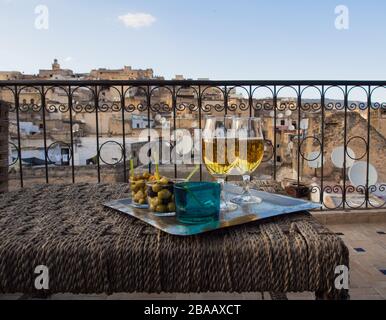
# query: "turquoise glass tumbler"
{"type": "Point", "coordinates": [197, 202]}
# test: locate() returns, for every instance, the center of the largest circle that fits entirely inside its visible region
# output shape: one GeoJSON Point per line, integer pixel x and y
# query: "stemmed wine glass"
{"type": "Point", "coordinates": [219, 152]}
{"type": "Point", "coordinates": [250, 152]}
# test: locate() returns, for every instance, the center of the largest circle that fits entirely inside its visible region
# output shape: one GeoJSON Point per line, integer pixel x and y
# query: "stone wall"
{"type": "Point", "coordinates": [109, 174]}
{"type": "Point", "coordinates": [63, 175]}
{"type": "Point", "coordinates": [356, 139]}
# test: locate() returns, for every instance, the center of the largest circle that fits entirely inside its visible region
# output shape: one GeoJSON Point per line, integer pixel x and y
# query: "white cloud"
{"type": "Point", "coordinates": [67, 59]}
{"type": "Point", "coordinates": [137, 20]}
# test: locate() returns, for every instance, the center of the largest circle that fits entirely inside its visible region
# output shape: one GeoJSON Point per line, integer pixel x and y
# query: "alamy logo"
{"type": "Point", "coordinates": [42, 280]}
{"type": "Point", "coordinates": [342, 21]}
{"type": "Point", "coordinates": [341, 281]}
{"type": "Point", "coordinates": [41, 21]}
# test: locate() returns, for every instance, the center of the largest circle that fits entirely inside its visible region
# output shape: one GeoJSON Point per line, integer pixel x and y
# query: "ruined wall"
{"type": "Point", "coordinates": [356, 138]}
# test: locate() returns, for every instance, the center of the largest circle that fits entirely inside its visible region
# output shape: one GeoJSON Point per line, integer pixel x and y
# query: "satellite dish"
{"type": "Point", "coordinates": [291, 127]}
{"type": "Point", "coordinates": [162, 120]}
{"type": "Point", "coordinates": [315, 160]}
{"type": "Point", "coordinates": [337, 157]}
{"type": "Point", "coordinates": [288, 113]}
{"type": "Point", "coordinates": [75, 127]}
{"type": "Point", "coordinates": [357, 174]}
{"type": "Point", "coordinates": [280, 115]}
{"type": "Point", "coordinates": [272, 114]}
{"type": "Point", "coordinates": [304, 124]}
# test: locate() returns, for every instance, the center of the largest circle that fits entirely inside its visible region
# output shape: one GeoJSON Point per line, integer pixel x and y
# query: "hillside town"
{"type": "Point", "coordinates": [64, 127]}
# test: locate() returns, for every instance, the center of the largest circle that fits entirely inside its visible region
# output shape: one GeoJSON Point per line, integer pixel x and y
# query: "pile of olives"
{"type": "Point", "coordinates": [160, 195]}
{"type": "Point", "coordinates": [138, 187]}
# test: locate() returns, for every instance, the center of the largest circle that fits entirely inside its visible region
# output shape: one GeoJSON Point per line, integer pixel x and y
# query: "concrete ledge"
{"type": "Point", "coordinates": [351, 216]}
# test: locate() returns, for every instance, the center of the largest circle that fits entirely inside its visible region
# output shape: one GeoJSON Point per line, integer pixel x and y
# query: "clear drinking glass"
{"type": "Point", "coordinates": [250, 152]}
{"type": "Point", "coordinates": [219, 152]}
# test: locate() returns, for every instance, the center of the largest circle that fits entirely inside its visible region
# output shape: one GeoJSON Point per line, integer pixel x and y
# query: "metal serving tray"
{"type": "Point", "coordinates": [272, 205]}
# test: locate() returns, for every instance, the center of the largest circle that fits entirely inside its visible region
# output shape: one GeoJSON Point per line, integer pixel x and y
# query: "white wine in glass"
{"type": "Point", "coordinates": [250, 153]}
{"type": "Point", "coordinates": [254, 154]}
{"type": "Point", "coordinates": [215, 159]}
{"type": "Point", "coordinates": [219, 152]}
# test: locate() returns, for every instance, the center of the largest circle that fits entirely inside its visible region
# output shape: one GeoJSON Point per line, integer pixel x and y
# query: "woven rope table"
{"type": "Point", "coordinates": [90, 249]}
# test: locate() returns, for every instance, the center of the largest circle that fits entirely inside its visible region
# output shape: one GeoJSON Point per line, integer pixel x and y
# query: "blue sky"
{"type": "Point", "coordinates": [217, 39]}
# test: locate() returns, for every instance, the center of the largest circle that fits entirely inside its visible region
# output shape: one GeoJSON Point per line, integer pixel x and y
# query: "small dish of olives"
{"type": "Point", "coordinates": [160, 196]}
{"type": "Point", "coordinates": [138, 189]}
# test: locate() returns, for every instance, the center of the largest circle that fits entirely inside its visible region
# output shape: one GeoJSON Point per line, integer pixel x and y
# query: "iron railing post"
{"type": "Point", "coordinates": [123, 134]}
{"type": "Point", "coordinates": [70, 105]}
{"type": "Point", "coordinates": [322, 102]}
{"type": "Point", "coordinates": [17, 109]}
{"type": "Point", "coordinates": [43, 97]}
{"type": "Point", "coordinates": [96, 103]}
{"type": "Point", "coordinates": [367, 194]}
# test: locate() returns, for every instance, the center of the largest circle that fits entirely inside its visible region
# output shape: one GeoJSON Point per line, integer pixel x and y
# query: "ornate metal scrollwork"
{"type": "Point", "coordinates": [207, 106]}
{"type": "Point", "coordinates": [25, 107]}
{"type": "Point", "coordinates": [353, 106]}
{"type": "Point", "coordinates": [130, 108]}
{"type": "Point", "coordinates": [358, 189]}
{"type": "Point", "coordinates": [14, 160]}
{"type": "Point", "coordinates": [334, 189]}
{"type": "Point", "coordinates": [160, 107]}
{"type": "Point", "coordinates": [378, 105]}
{"type": "Point", "coordinates": [268, 156]}
{"type": "Point", "coordinates": [334, 105]}
{"type": "Point", "coordinates": [113, 107]}
{"type": "Point", "coordinates": [356, 158]}
{"type": "Point", "coordinates": [311, 106]}
{"type": "Point", "coordinates": [315, 139]}
{"type": "Point", "coordinates": [380, 188]}
{"type": "Point", "coordinates": [59, 143]}
{"type": "Point", "coordinates": [114, 143]}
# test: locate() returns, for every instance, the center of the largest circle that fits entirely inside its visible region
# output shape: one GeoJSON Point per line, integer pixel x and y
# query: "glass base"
{"type": "Point", "coordinates": [227, 206]}
{"type": "Point", "coordinates": [139, 206]}
{"type": "Point", "coordinates": [246, 199]}
{"type": "Point", "coordinates": [164, 214]}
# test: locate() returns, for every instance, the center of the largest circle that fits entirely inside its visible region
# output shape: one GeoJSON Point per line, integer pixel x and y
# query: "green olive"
{"type": "Point", "coordinates": [146, 175]}
{"type": "Point", "coordinates": [140, 184]}
{"type": "Point", "coordinates": [161, 208]}
{"type": "Point", "coordinates": [154, 202]}
{"type": "Point", "coordinates": [156, 187]}
{"type": "Point", "coordinates": [171, 207]}
{"type": "Point", "coordinates": [136, 187]}
{"type": "Point", "coordinates": [164, 194]}
{"type": "Point", "coordinates": [164, 181]}
{"type": "Point", "coordinates": [140, 194]}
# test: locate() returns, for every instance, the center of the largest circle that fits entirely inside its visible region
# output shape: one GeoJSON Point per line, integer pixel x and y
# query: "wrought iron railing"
{"type": "Point", "coordinates": [305, 123]}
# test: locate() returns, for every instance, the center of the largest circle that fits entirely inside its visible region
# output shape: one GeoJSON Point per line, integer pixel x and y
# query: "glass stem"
{"type": "Point", "coordinates": [246, 181]}
{"type": "Point", "coordinates": [221, 181]}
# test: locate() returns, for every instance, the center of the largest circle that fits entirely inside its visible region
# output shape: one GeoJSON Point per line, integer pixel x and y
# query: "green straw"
{"type": "Point", "coordinates": [132, 168]}
{"type": "Point", "coordinates": [157, 171]}
{"type": "Point", "coordinates": [193, 172]}
{"type": "Point", "coordinates": [156, 161]}
{"type": "Point", "coordinates": [186, 188]}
